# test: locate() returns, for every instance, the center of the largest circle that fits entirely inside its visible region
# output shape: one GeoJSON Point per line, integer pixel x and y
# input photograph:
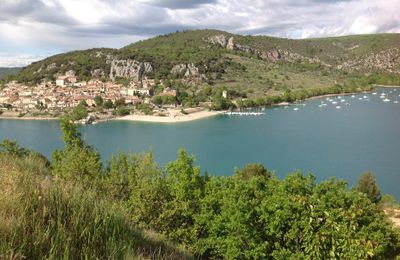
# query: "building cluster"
{"type": "Point", "coordinates": [68, 92]}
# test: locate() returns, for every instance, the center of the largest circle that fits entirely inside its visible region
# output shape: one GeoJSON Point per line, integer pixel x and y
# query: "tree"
{"type": "Point", "coordinates": [120, 102]}
{"type": "Point", "coordinates": [79, 112]}
{"type": "Point", "coordinates": [11, 147]}
{"type": "Point", "coordinates": [98, 100]}
{"type": "Point", "coordinates": [186, 187]}
{"type": "Point", "coordinates": [157, 100]}
{"type": "Point", "coordinates": [253, 170]}
{"type": "Point", "coordinates": [108, 104]}
{"type": "Point", "coordinates": [78, 162]}
{"type": "Point", "coordinates": [122, 111]}
{"type": "Point", "coordinates": [367, 184]}
{"type": "Point", "coordinates": [219, 102]}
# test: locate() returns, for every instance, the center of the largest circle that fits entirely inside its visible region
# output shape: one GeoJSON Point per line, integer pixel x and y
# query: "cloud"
{"type": "Point", "coordinates": [19, 60]}
{"type": "Point", "coordinates": [37, 26]}
{"type": "Point", "coordinates": [178, 4]}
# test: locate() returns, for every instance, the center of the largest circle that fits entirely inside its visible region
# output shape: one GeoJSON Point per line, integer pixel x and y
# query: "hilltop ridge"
{"type": "Point", "coordinates": [212, 53]}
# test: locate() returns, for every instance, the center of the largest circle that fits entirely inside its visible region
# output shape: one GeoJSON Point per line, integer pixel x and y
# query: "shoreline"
{"type": "Point", "coordinates": [35, 118]}
{"type": "Point", "coordinates": [387, 86]}
{"type": "Point", "coordinates": [352, 93]}
{"type": "Point", "coordinates": [169, 119]}
{"type": "Point", "coordinates": [178, 118]}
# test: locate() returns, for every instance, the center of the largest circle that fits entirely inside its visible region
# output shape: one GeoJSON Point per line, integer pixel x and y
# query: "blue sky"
{"type": "Point", "coordinates": [34, 29]}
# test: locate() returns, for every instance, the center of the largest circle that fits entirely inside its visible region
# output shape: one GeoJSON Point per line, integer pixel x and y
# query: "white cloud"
{"type": "Point", "coordinates": [19, 60]}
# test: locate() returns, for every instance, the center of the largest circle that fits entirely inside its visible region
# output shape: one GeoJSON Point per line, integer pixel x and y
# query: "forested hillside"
{"type": "Point", "coordinates": [245, 65]}
{"type": "Point", "coordinates": [8, 71]}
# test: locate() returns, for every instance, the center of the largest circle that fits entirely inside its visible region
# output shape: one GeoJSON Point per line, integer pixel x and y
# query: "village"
{"type": "Point", "coordinates": [67, 92]}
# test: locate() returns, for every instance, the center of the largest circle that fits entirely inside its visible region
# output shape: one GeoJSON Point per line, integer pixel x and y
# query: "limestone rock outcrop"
{"type": "Point", "coordinates": [186, 70]}
{"type": "Point", "coordinates": [218, 40]}
{"type": "Point", "coordinates": [386, 60]}
{"type": "Point", "coordinates": [231, 44]}
{"type": "Point", "coordinates": [272, 55]}
{"type": "Point", "coordinates": [97, 73]}
{"type": "Point", "coordinates": [131, 69]}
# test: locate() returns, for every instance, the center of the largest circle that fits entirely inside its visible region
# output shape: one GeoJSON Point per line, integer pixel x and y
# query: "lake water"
{"type": "Point", "coordinates": [328, 141]}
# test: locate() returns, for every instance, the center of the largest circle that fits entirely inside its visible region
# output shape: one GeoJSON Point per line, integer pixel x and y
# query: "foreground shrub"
{"type": "Point", "coordinates": [43, 217]}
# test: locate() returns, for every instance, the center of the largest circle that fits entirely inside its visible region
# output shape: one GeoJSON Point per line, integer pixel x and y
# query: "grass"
{"type": "Point", "coordinates": [42, 217]}
{"type": "Point", "coordinates": [262, 78]}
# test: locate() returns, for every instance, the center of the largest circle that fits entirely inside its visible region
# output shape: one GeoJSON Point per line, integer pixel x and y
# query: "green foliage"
{"type": "Point", "coordinates": [78, 161]}
{"type": "Point", "coordinates": [49, 218]}
{"type": "Point", "coordinates": [145, 109]}
{"type": "Point", "coordinates": [219, 102]}
{"type": "Point", "coordinates": [12, 148]}
{"type": "Point", "coordinates": [367, 184]}
{"type": "Point", "coordinates": [108, 104]}
{"type": "Point", "coordinates": [122, 111]}
{"type": "Point", "coordinates": [294, 218]}
{"type": "Point", "coordinates": [182, 47]}
{"type": "Point", "coordinates": [79, 112]}
{"type": "Point", "coordinates": [186, 188]}
{"type": "Point", "coordinates": [82, 62]}
{"type": "Point", "coordinates": [253, 170]}
{"type": "Point", "coordinates": [164, 100]}
{"type": "Point", "coordinates": [122, 81]}
{"type": "Point", "coordinates": [98, 101]}
{"type": "Point", "coordinates": [119, 102]}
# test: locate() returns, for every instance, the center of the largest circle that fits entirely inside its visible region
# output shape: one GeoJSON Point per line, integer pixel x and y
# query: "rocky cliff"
{"type": "Point", "coordinates": [384, 61]}
{"type": "Point", "coordinates": [272, 55]}
{"type": "Point", "coordinates": [131, 69]}
{"type": "Point", "coordinates": [387, 60]}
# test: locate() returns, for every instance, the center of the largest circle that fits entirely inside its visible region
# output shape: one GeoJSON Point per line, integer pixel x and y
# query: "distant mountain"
{"type": "Point", "coordinates": [257, 65]}
{"type": "Point", "coordinates": [8, 71]}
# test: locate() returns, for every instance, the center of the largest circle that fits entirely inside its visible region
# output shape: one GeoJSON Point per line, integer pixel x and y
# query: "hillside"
{"type": "Point", "coordinates": [247, 65]}
{"type": "Point", "coordinates": [8, 71]}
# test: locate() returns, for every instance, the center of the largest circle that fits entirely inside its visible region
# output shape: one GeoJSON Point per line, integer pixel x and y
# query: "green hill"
{"type": "Point", "coordinates": [248, 65]}
{"type": "Point", "coordinates": [8, 71]}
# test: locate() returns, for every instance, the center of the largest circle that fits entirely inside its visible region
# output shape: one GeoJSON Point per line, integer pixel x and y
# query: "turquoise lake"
{"type": "Point", "coordinates": [328, 141]}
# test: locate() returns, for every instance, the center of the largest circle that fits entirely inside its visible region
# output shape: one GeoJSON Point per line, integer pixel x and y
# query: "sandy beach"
{"type": "Point", "coordinates": [175, 117]}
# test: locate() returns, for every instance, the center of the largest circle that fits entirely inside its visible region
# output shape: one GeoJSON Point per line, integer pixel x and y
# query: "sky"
{"type": "Point", "coordinates": [33, 29]}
